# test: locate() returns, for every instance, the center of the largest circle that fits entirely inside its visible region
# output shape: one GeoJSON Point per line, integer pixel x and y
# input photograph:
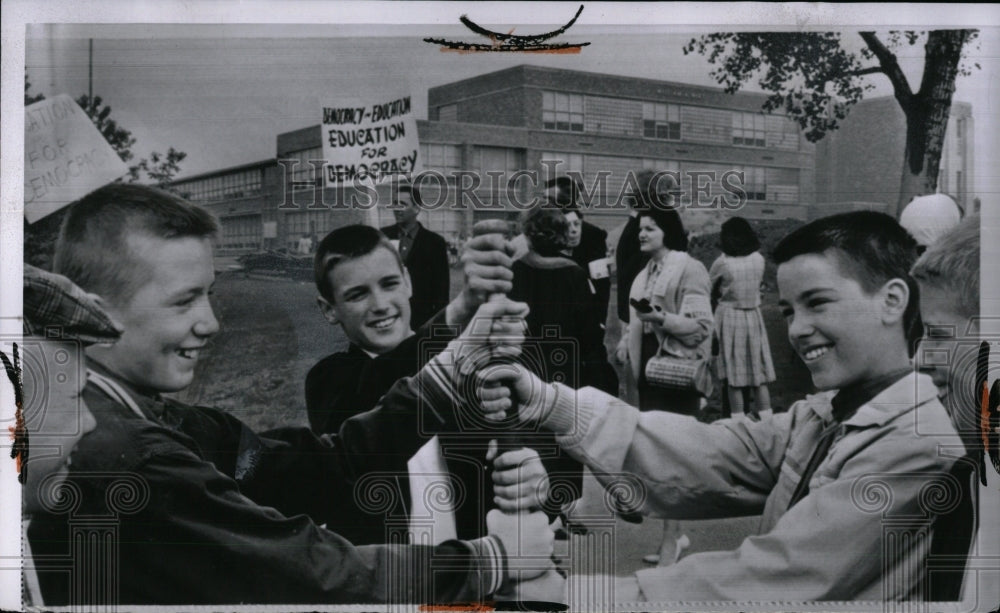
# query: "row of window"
{"type": "Point", "coordinates": [224, 187]}
{"type": "Point", "coordinates": [446, 159]}
{"type": "Point", "coordinates": [566, 113]}
{"type": "Point", "coordinates": [784, 187]}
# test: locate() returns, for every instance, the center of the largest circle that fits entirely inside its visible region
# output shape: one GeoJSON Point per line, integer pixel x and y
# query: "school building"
{"type": "Point", "coordinates": [860, 163]}
{"type": "Point", "coordinates": [483, 131]}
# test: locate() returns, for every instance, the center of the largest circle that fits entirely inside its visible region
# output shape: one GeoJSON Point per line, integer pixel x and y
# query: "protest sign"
{"type": "Point", "coordinates": [370, 142]}
{"type": "Point", "coordinates": [65, 156]}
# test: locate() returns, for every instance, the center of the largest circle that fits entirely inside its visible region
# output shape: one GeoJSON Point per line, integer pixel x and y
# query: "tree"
{"type": "Point", "coordinates": [816, 81]}
{"type": "Point", "coordinates": [159, 169]}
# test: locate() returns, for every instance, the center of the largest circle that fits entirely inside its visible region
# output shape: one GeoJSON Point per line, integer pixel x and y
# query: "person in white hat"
{"type": "Point", "coordinates": [928, 217]}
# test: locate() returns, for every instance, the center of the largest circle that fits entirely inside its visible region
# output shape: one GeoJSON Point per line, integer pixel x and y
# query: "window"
{"type": "Point", "coordinates": [754, 182]}
{"type": "Point", "coordinates": [661, 121]}
{"type": "Point", "coordinates": [298, 223]}
{"type": "Point", "coordinates": [499, 158]}
{"type": "Point", "coordinates": [224, 187]}
{"type": "Point", "coordinates": [748, 129]}
{"type": "Point", "coordinates": [562, 112]}
{"type": "Point", "coordinates": [303, 175]}
{"type": "Point", "coordinates": [658, 165]}
{"type": "Point", "coordinates": [442, 158]}
{"type": "Point", "coordinates": [566, 162]}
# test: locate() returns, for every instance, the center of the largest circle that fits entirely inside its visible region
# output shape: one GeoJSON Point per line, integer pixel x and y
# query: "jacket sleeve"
{"type": "Point", "coordinates": [829, 546]}
{"type": "Point", "coordinates": [201, 532]}
{"type": "Point", "coordinates": [441, 275]}
{"type": "Point", "coordinates": [695, 300]}
{"type": "Point", "coordinates": [689, 470]}
{"type": "Point", "coordinates": [836, 542]}
{"type": "Point", "coordinates": [282, 467]}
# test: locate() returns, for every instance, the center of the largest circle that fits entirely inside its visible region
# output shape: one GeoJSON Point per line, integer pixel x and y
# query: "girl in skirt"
{"type": "Point", "coordinates": [744, 353]}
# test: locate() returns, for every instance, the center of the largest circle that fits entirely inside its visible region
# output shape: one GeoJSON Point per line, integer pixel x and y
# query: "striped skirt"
{"type": "Point", "coordinates": [744, 353]}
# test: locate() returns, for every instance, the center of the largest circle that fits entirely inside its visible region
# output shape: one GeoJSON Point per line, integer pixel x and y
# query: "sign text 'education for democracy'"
{"type": "Point", "coordinates": [65, 156]}
{"type": "Point", "coordinates": [375, 141]}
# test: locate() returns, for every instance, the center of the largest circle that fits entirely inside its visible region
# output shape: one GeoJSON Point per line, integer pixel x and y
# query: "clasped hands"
{"type": "Point", "coordinates": [482, 366]}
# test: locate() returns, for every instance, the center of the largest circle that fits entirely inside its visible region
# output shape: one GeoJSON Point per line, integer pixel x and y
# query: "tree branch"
{"type": "Point", "coordinates": [889, 66]}
{"type": "Point", "coordinates": [864, 71]}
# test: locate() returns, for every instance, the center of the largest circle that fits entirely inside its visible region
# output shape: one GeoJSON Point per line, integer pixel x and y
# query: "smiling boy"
{"type": "Point", "coordinates": [203, 510]}
{"type": "Point", "coordinates": [365, 289]}
{"type": "Point", "coordinates": [825, 475]}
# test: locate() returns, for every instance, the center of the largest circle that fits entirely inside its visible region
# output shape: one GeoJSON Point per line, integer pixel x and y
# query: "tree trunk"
{"type": "Point", "coordinates": [927, 116]}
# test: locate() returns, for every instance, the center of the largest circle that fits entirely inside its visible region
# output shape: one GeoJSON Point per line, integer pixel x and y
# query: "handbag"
{"type": "Point", "coordinates": [675, 372]}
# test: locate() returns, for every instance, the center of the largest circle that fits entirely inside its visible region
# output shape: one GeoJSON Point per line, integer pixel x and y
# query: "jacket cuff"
{"type": "Point", "coordinates": [491, 562]}
{"type": "Point", "coordinates": [433, 383]}
{"type": "Point", "coordinates": [562, 415]}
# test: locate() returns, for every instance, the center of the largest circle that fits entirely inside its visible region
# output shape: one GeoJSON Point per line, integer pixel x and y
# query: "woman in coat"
{"type": "Point", "coordinates": [669, 312]}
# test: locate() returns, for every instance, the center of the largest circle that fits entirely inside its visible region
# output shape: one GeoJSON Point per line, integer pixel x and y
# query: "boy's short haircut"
{"type": "Point", "coordinates": [952, 263]}
{"type": "Point", "coordinates": [871, 248]}
{"type": "Point", "coordinates": [342, 244]}
{"type": "Point", "coordinates": [93, 249]}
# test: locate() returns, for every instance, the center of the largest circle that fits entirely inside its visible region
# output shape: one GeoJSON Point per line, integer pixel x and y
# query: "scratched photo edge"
{"type": "Point", "coordinates": [11, 270]}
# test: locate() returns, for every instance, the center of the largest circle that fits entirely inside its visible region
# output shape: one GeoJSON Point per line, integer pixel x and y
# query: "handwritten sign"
{"type": "Point", "coordinates": [65, 156]}
{"type": "Point", "coordinates": [370, 142]}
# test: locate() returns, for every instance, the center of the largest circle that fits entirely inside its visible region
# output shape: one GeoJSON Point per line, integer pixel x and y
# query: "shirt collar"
{"type": "Point", "coordinates": [849, 399]}
{"type": "Point", "coordinates": [359, 351]}
{"type": "Point", "coordinates": [901, 395]}
{"type": "Point", "coordinates": [412, 232]}
{"type": "Point", "coordinates": [150, 401]}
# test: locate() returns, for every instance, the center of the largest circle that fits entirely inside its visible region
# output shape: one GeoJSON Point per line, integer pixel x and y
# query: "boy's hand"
{"type": "Point", "coordinates": [550, 587]}
{"type": "Point", "coordinates": [502, 387]}
{"type": "Point", "coordinates": [486, 262]}
{"type": "Point", "coordinates": [527, 540]}
{"type": "Point", "coordinates": [520, 482]}
{"type": "Point", "coordinates": [495, 333]}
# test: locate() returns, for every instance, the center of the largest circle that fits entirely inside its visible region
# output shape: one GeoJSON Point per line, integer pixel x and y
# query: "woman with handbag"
{"type": "Point", "coordinates": [671, 319]}
{"type": "Point", "coordinates": [669, 334]}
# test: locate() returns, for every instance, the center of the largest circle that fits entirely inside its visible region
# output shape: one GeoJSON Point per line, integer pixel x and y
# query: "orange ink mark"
{"type": "Point", "coordinates": [18, 432]}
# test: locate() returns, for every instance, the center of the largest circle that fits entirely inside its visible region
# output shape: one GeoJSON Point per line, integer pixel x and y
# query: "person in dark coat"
{"type": "Point", "coordinates": [558, 294]}
{"type": "Point", "coordinates": [587, 245]}
{"type": "Point", "coordinates": [188, 505]}
{"type": "Point", "coordinates": [564, 341]}
{"type": "Point", "coordinates": [424, 253]}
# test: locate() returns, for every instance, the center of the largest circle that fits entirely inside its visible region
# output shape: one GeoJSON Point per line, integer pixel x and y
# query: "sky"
{"type": "Point", "coordinates": [222, 93]}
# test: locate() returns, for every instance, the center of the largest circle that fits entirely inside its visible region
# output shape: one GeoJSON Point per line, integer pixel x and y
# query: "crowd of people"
{"type": "Point", "coordinates": [443, 453]}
